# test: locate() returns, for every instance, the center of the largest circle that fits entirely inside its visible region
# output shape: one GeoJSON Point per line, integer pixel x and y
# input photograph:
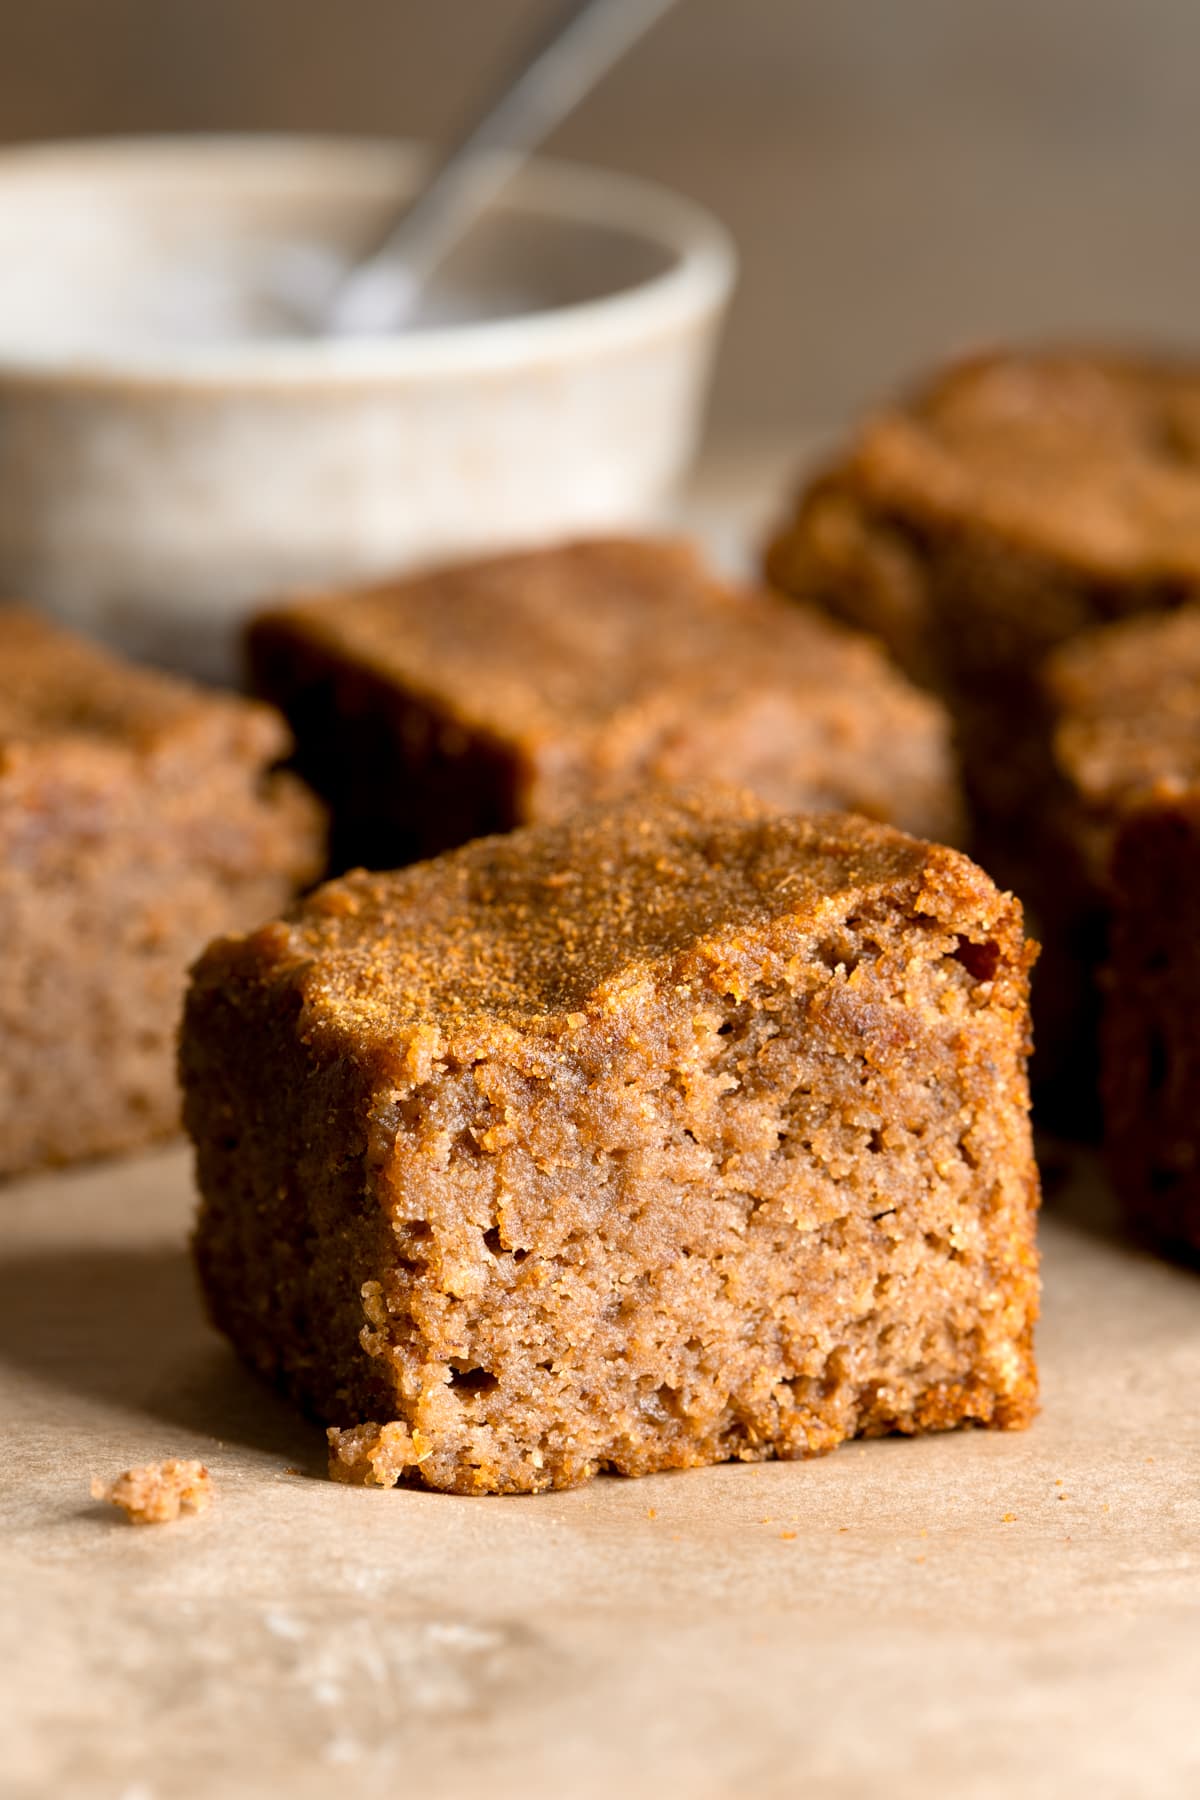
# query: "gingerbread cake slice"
{"type": "Point", "coordinates": [495, 693]}
{"type": "Point", "coordinates": [1125, 703]}
{"type": "Point", "coordinates": [1123, 706]}
{"type": "Point", "coordinates": [139, 816]}
{"type": "Point", "coordinates": [676, 1132]}
{"type": "Point", "coordinates": [1014, 501]}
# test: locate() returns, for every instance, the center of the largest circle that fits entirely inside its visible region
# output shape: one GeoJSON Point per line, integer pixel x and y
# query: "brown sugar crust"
{"type": "Point", "coordinates": [139, 816]}
{"type": "Point", "coordinates": [497, 692]}
{"type": "Point", "coordinates": [157, 1493]}
{"type": "Point", "coordinates": [673, 1133]}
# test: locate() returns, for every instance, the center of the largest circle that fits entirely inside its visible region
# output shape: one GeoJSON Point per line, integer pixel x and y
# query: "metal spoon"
{"type": "Point", "coordinates": [565, 62]}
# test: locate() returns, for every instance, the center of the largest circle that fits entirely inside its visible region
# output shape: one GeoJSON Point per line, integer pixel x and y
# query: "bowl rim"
{"type": "Point", "coordinates": [696, 283]}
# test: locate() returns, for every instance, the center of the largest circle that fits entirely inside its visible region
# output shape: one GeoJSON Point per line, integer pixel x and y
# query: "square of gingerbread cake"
{"type": "Point", "coordinates": [139, 816]}
{"type": "Point", "coordinates": [1014, 500]}
{"type": "Point", "coordinates": [1125, 703]}
{"type": "Point", "coordinates": [676, 1132]}
{"type": "Point", "coordinates": [499, 692]}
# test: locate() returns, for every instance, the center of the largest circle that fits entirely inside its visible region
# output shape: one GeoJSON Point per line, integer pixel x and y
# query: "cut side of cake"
{"type": "Point", "coordinates": [672, 1133]}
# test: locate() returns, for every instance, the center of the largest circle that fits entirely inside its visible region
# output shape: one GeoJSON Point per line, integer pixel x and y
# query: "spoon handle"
{"type": "Point", "coordinates": [580, 45]}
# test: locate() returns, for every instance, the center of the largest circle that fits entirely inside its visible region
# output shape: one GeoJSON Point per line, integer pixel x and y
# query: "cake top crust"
{"type": "Point", "coordinates": [59, 689]}
{"type": "Point", "coordinates": [552, 643]}
{"type": "Point", "coordinates": [1126, 701]}
{"type": "Point", "coordinates": [548, 919]}
{"type": "Point", "coordinates": [1090, 458]}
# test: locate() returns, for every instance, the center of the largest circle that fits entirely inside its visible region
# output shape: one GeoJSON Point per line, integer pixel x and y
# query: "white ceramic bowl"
{"type": "Point", "coordinates": [167, 456]}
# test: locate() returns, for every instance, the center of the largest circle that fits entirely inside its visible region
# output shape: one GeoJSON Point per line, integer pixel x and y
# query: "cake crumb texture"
{"type": "Point", "coordinates": [157, 1493]}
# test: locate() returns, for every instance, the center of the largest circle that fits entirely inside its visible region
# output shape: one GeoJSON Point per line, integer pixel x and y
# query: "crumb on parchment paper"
{"type": "Point", "coordinates": [156, 1493]}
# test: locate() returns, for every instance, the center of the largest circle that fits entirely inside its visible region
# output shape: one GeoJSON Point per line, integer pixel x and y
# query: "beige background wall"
{"type": "Point", "coordinates": [903, 175]}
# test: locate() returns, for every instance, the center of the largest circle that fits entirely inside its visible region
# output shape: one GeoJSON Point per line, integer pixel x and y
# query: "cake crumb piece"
{"type": "Point", "coordinates": [1009, 1519]}
{"type": "Point", "coordinates": [156, 1493]}
{"type": "Point", "coordinates": [371, 1455]}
